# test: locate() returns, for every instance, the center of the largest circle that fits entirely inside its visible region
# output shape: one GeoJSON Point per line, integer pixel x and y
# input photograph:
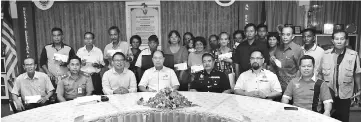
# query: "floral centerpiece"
{"type": "Point", "coordinates": [167, 98]}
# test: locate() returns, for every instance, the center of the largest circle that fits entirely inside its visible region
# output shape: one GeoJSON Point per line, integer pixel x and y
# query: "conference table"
{"type": "Point", "coordinates": [212, 107]}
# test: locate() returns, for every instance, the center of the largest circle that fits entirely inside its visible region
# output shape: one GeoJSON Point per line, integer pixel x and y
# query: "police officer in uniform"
{"type": "Point", "coordinates": [209, 79]}
{"type": "Point", "coordinates": [340, 68]}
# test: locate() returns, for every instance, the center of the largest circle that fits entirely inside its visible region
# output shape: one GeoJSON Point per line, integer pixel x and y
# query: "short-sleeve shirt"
{"type": "Point", "coordinates": [316, 52]}
{"type": "Point", "coordinates": [123, 46]}
{"type": "Point", "coordinates": [243, 54]}
{"type": "Point", "coordinates": [159, 79]}
{"type": "Point", "coordinates": [195, 58]}
{"type": "Point", "coordinates": [40, 84]}
{"type": "Point", "coordinates": [139, 60]}
{"type": "Point", "coordinates": [95, 55]}
{"type": "Point", "coordinates": [75, 87]}
{"type": "Point", "coordinates": [216, 81]}
{"type": "Point", "coordinates": [180, 56]}
{"type": "Point", "coordinates": [265, 82]}
{"type": "Point", "coordinates": [289, 57]}
{"type": "Point", "coordinates": [112, 80]}
{"type": "Point", "coordinates": [47, 58]}
{"type": "Point", "coordinates": [302, 93]}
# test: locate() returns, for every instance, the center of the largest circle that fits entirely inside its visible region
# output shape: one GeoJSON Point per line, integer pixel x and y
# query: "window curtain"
{"type": "Point", "coordinates": [283, 12]}
{"type": "Point", "coordinates": [339, 12]}
{"type": "Point", "coordinates": [76, 18]}
{"type": "Point", "coordinates": [204, 18]}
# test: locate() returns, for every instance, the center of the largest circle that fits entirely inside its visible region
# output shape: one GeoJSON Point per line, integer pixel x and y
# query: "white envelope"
{"type": "Point", "coordinates": [278, 63]}
{"type": "Point", "coordinates": [60, 57]}
{"type": "Point", "coordinates": [32, 99]}
{"type": "Point", "coordinates": [196, 68]}
{"type": "Point", "coordinates": [181, 66]}
{"type": "Point", "coordinates": [225, 56]}
{"type": "Point", "coordinates": [112, 52]}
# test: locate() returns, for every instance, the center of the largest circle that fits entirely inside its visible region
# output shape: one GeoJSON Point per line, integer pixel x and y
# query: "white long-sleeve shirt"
{"type": "Point", "coordinates": [112, 80]}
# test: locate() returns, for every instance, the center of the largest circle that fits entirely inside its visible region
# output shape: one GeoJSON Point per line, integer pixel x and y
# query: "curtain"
{"type": "Point", "coordinates": [339, 12]}
{"type": "Point", "coordinates": [202, 18]}
{"type": "Point", "coordinates": [76, 18]}
{"type": "Point", "coordinates": [283, 12]}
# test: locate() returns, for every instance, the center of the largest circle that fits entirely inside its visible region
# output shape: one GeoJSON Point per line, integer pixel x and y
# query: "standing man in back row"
{"type": "Point", "coordinates": [340, 68]}
{"type": "Point", "coordinates": [51, 55]}
{"type": "Point", "coordinates": [243, 50]}
{"type": "Point", "coordinates": [116, 46]}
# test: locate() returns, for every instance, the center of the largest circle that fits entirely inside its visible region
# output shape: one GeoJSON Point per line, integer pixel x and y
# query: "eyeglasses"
{"type": "Point", "coordinates": [257, 58]}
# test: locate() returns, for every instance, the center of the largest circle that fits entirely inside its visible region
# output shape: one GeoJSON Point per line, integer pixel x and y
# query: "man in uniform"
{"type": "Point", "coordinates": [340, 68]}
{"type": "Point", "coordinates": [209, 79]}
{"type": "Point", "coordinates": [76, 84]}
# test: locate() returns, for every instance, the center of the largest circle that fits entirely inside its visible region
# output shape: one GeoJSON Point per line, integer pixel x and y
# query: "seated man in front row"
{"type": "Point", "coordinates": [210, 80]}
{"type": "Point", "coordinates": [76, 84]}
{"type": "Point", "coordinates": [118, 79]}
{"type": "Point", "coordinates": [258, 82]}
{"type": "Point", "coordinates": [31, 84]}
{"type": "Point", "coordinates": [159, 76]}
{"type": "Point", "coordinates": [306, 92]}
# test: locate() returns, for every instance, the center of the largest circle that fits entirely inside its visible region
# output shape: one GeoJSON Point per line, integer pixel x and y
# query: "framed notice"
{"type": "Point", "coordinates": [143, 19]}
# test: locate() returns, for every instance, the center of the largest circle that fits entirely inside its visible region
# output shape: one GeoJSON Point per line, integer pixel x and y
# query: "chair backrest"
{"type": "Point", "coordinates": [147, 61]}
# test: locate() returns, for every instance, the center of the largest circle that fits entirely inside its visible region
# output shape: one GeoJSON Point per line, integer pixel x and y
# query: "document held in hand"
{"type": "Point", "coordinates": [196, 68]}
{"type": "Point", "coordinates": [32, 99]}
{"type": "Point", "coordinates": [60, 57]}
{"type": "Point", "coordinates": [181, 66]}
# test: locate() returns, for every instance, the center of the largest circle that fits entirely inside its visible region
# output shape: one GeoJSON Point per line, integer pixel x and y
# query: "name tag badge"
{"type": "Point", "coordinates": [80, 91]}
{"type": "Point", "coordinates": [165, 77]}
{"type": "Point", "coordinates": [215, 77]}
{"type": "Point", "coordinates": [201, 77]}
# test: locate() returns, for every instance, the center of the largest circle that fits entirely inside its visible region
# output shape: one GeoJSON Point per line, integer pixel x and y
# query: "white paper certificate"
{"type": "Point", "coordinates": [181, 66]}
{"type": "Point", "coordinates": [32, 99]}
{"type": "Point", "coordinates": [196, 68]}
{"type": "Point", "coordinates": [60, 57]}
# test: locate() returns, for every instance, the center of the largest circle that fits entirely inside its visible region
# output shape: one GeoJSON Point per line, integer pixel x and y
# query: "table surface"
{"type": "Point", "coordinates": [231, 106]}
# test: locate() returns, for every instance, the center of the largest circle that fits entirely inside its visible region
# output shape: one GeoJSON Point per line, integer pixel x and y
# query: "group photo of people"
{"type": "Point", "coordinates": [289, 66]}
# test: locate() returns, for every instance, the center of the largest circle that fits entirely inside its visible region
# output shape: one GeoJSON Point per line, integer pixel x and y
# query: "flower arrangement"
{"type": "Point", "coordinates": [166, 99]}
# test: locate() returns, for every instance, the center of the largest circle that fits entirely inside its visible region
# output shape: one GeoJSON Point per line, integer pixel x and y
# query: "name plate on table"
{"type": "Point", "coordinates": [60, 57]}
{"type": "Point", "coordinates": [196, 68]}
{"type": "Point", "coordinates": [181, 66]}
{"type": "Point", "coordinates": [87, 100]}
{"type": "Point", "coordinates": [32, 99]}
{"type": "Point", "coordinates": [112, 52]}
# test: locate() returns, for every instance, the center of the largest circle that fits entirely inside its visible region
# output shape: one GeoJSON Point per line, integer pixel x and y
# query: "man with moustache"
{"type": "Point", "coordinates": [258, 82]}
{"type": "Point", "coordinates": [76, 84]}
{"type": "Point", "coordinates": [307, 91]}
{"type": "Point", "coordinates": [119, 80]}
{"type": "Point", "coordinates": [116, 46]}
{"type": "Point", "coordinates": [29, 84]}
{"type": "Point", "coordinates": [159, 76]}
{"type": "Point", "coordinates": [340, 68]}
{"type": "Point", "coordinates": [287, 56]}
{"type": "Point", "coordinates": [92, 61]}
{"type": "Point", "coordinates": [209, 79]}
{"type": "Point", "coordinates": [310, 47]}
{"type": "Point", "coordinates": [243, 51]}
